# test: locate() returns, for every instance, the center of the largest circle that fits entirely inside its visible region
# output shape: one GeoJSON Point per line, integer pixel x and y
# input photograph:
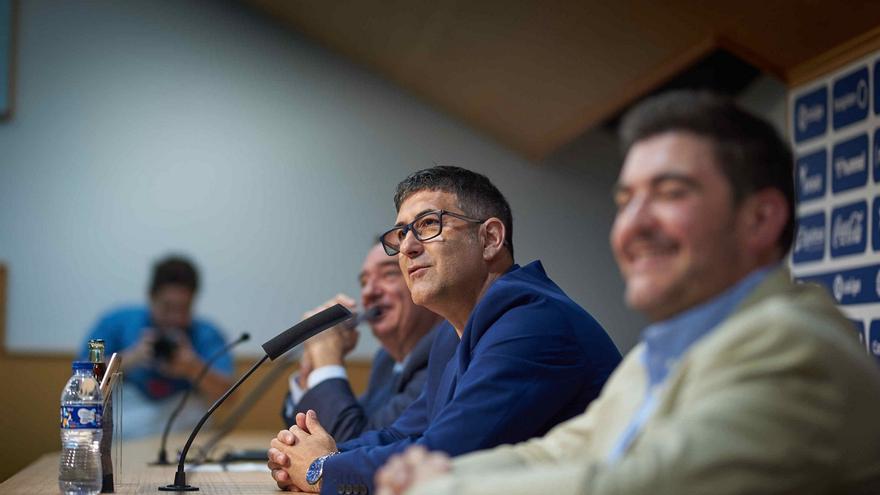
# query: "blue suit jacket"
{"type": "Point", "coordinates": [388, 394]}
{"type": "Point", "coordinates": [529, 358]}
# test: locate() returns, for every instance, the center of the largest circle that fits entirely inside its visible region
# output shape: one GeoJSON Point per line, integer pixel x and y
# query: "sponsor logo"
{"type": "Point", "coordinates": [811, 171]}
{"type": "Point", "coordinates": [877, 87]}
{"type": "Point", "coordinates": [849, 230]}
{"type": "Point", "coordinates": [857, 98]}
{"type": "Point", "coordinates": [844, 167]}
{"type": "Point", "coordinates": [809, 114]}
{"type": "Point", "coordinates": [877, 153]}
{"type": "Point", "coordinates": [849, 163]}
{"type": "Point", "coordinates": [810, 239]}
{"type": "Point", "coordinates": [843, 287]}
{"type": "Point", "coordinates": [853, 286]}
{"type": "Point", "coordinates": [809, 242]}
{"type": "Point", "coordinates": [850, 98]}
{"type": "Point", "coordinates": [810, 184]}
{"type": "Point", "coordinates": [875, 230]}
{"type": "Point", "coordinates": [874, 338]}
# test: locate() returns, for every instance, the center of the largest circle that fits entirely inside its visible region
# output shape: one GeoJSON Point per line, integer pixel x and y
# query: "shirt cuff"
{"type": "Point", "coordinates": [315, 377]}
{"type": "Point", "coordinates": [324, 373]}
{"type": "Point", "coordinates": [296, 392]}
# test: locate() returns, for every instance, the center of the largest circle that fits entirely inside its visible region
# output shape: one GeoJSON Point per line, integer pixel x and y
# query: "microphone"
{"type": "Point", "coordinates": [245, 405]}
{"type": "Point", "coordinates": [274, 347]}
{"type": "Point", "coordinates": [163, 457]}
{"type": "Point", "coordinates": [304, 330]}
{"type": "Point", "coordinates": [368, 315]}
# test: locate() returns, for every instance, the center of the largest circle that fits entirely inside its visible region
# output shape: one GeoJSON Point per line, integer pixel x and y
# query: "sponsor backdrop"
{"type": "Point", "coordinates": [835, 131]}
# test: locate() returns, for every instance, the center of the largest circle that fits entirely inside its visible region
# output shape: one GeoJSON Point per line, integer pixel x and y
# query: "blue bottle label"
{"type": "Point", "coordinates": [78, 417]}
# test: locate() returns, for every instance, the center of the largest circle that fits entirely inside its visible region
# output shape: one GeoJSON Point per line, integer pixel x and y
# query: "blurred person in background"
{"type": "Point", "coordinates": [163, 349]}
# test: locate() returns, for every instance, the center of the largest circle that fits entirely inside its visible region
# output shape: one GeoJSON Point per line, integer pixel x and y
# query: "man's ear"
{"type": "Point", "coordinates": [763, 216]}
{"type": "Point", "coordinates": [492, 234]}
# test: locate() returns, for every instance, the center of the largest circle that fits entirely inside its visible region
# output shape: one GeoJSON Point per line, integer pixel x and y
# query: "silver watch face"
{"type": "Point", "coordinates": [316, 468]}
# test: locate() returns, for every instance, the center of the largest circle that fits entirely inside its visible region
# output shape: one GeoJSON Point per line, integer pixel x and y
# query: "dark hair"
{"type": "Point", "coordinates": [174, 270]}
{"type": "Point", "coordinates": [477, 196]}
{"type": "Point", "coordinates": [750, 152]}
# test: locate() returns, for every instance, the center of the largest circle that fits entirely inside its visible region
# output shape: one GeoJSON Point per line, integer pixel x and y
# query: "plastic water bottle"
{"type": "Point", "coordinates": [81, 422]}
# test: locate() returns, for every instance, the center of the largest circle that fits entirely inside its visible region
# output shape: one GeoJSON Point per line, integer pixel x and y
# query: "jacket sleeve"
{"type": "Point", "coordinates": [521, 374]}
{"type": "Point", "coordinates": [764, 416]}
{"type": "Point", "coordinates": [334, 400]}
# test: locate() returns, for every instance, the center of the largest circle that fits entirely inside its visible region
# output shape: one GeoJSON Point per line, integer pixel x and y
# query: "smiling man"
{"type": "Point", "coordinates": [406, 332]}
{"type": "Point", "coordinates": [744, 383]}
{"type": "Point", "coordinates": [528, 357]}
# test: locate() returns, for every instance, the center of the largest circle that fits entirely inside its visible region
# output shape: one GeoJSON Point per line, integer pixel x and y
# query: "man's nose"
{"type": "Point", "coordinates": [637, 214]}
{"type": "Point", "coordinates": [410, 246]}
{"type": "Point", "coordinates": [178, 319]}
{"type": "Point", "coordinates": [370, 290]}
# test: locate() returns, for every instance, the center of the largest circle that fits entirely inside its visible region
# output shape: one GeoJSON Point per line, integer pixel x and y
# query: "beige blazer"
{"type": "Point", "coordinates": [780, 398]}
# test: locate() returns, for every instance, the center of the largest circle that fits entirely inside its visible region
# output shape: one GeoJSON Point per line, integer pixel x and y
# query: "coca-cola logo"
{"type": "Point", "coordinates": [848, 230]}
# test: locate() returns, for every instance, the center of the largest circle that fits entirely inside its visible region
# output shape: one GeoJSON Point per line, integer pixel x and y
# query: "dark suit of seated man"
{"type": "Point", "coordinates": [400, 367]}
{"type": "Point", "coordinates": [528, 358]}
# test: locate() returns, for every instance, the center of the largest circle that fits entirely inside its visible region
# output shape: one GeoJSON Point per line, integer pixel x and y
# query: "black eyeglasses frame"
{"type": "Point", "coordinates": [393, 251]}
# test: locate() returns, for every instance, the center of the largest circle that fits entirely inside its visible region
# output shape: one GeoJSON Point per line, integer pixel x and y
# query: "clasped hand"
{"type": "Point", "coordinates": [292, 451]}
{"type": "Point", "coordinates": [415, 466]}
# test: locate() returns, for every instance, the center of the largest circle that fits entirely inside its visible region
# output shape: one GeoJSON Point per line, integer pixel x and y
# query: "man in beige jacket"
{"type": "Point", "coordinates": [744, 383]}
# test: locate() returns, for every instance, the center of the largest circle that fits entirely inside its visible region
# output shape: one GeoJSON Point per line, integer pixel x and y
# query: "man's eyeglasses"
{"type": "Point", "coordinates": [426, 226]}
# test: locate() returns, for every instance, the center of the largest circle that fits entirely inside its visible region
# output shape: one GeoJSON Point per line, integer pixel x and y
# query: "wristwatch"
{"type": "Point", "coordinates": [316, 469]}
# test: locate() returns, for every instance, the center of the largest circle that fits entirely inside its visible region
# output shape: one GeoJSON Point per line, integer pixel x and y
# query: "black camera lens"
{"type": "Point", "coordinates": [163, 348]}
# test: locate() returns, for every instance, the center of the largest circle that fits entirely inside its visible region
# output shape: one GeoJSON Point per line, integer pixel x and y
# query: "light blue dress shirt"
{"type": "Point", "coordinates": [668, 340]}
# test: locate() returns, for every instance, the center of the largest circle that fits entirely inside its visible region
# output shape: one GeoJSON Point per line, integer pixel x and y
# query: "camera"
{"type": "Point", "coordinates": [164, 348]}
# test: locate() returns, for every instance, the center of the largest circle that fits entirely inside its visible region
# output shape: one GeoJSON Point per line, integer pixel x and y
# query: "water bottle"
{"type": "Point", "coordinates": [81, 422]}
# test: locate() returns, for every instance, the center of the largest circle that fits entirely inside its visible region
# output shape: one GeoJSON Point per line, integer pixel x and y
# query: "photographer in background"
{"type": "Point", "coordinates": [163, 349]}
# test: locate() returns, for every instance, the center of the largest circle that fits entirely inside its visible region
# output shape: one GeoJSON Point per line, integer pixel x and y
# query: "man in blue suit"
{"type": "Point", "coordinates": [528, 358]}
{"type": "Point", "coordinates": [406, 332]}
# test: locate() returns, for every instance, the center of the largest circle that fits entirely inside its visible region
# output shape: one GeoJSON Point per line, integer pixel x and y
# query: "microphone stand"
{"type": "Point", "coordinates": [243, 407]}
{"type": "Point", "coordinates": [274, 348]}
{"type": "Point", "coordinates": [180, 484]}
{"type": "Point", "coordinates": [163, 455]}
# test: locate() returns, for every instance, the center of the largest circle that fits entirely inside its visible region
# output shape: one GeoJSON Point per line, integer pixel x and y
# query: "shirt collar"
{"type": "Point", "coordinates": [399, 366]}
{"type": "Point", "coordinates": [666, 341]}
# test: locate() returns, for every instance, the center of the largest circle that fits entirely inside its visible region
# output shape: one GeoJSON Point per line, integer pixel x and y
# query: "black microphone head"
{"type": "Point", "coordinates": [368, 314]}
{"type": "Point", "coordinates": [245, 337]}
{"type": "Point", "coordinates": [301, 332]}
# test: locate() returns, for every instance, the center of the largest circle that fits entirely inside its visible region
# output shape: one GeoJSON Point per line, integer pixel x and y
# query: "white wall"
{"type": "Point", "coordinates": [200, 127]}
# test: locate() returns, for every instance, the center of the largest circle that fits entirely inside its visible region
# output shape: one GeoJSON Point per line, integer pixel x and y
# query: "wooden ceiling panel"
{"type": "Point", "coordinates": [537, 74]}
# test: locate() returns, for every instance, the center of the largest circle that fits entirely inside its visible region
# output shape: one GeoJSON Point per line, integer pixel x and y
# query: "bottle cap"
{"type": "Point", "coordinates": [82, 365]}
